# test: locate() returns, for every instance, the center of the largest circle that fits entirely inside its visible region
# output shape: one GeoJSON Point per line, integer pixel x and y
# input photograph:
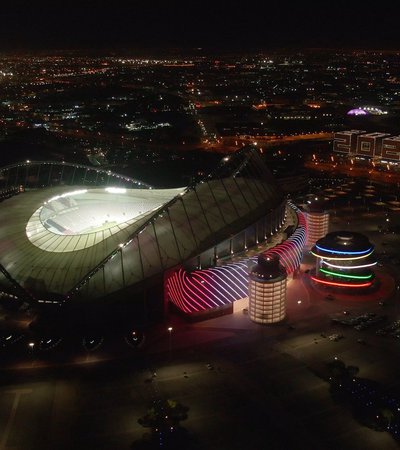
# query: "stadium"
{"type": "Point", "coordinates": [80, 234]}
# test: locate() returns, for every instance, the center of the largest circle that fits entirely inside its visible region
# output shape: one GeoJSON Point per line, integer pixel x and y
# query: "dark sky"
{"type": "Point", "coordinates": [42, 25]}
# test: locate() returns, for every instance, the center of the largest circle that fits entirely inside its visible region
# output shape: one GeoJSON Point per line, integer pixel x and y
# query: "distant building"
{"type": "Point", "coordinates": [357, 112]}
{"type": "Point", "coordinates": [346, 141]}
{"type": "Point", "coordinates": [267, 290]}
{"type": "Point", "coordinates": [379, 146]}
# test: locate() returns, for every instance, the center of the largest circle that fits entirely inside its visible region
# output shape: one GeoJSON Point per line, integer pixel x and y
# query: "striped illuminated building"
{"type": "Point", "coordinates": [208, 290]}
{"type": "Point", "coordinates": [267, 290]}
{"type": "Point", "coordinates": [344, 260]}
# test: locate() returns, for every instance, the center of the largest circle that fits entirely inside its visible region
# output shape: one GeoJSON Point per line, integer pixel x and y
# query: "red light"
{"type": "Point", "coordinates": [331, 283]}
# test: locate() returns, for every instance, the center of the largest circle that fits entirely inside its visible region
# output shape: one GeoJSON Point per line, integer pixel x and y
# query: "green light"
{"type": "Point", "coordinates": [354, 277]}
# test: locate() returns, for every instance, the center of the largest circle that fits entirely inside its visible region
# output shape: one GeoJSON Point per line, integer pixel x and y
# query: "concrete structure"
{"type": "Point", "coordinates": [267, 290]}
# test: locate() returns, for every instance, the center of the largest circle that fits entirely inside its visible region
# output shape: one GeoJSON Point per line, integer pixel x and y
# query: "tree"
{"type": "Point", "coordinates": [388, 415]}
{"type": "Point", "coordinates": [165, 414]}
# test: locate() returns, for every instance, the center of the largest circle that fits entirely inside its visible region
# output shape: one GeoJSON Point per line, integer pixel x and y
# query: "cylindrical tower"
{"type": "Point", "coordinates": [317, 221]}
{"type": "Point", "coordinates": [267, 290]}
{"type": "Point", "coordinates": [344, 260]}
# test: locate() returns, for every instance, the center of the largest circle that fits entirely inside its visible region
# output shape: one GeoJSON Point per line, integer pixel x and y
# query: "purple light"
{"type": "Point", "coordinates": [357, 112]}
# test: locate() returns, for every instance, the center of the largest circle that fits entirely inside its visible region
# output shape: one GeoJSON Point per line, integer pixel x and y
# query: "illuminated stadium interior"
{"type": "Point", "coordinates": [96, 212]}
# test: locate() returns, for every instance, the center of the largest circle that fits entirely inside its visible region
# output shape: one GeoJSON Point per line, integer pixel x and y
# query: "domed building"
{"type": "Point", "coordinates": [357, 112]}
{"type": "Point", "coordinates": [344, 260]}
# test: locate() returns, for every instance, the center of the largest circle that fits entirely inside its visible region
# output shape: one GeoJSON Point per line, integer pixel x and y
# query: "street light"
{"type": "Point", "coordinates": [31, 346]}
{"type": "Point", "coordinates": [170, 340]}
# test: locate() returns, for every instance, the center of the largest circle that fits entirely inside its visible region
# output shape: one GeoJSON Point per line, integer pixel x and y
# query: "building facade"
{"type": "Point", "coordinates": [267, 290]}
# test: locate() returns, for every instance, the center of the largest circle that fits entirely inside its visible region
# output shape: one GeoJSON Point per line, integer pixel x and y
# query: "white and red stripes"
{"type": "Point", "coordinates": [206, 289]}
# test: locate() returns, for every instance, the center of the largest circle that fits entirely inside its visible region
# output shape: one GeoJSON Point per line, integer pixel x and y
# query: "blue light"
{"type": "Point", "coordinates": [343, 253]}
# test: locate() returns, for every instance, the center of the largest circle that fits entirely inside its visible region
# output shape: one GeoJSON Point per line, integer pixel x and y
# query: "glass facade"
{"type": "Point", "coordinates": [267, 300]}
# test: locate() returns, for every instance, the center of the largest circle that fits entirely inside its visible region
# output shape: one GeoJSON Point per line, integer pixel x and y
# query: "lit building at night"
{"type": "Point", "coordinates": [79, 233]}
{"type": "Point", "coordinates": [267, 290]}
{"type": "Point", "coordinates": [357, 112]}
{"type": "Point", "coordinates": [378, 146]}
{"type": "Point", "coordinates": [215, 289]}
{"type": "Point", "coordinates": [317, 221]}
{"type": "Point", "coordinates": [344, 260]}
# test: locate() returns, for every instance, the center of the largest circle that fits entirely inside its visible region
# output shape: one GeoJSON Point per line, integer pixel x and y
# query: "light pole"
{"type": "Point", "coordinates": [170, 340]}
{"type": "Point", "coordinates": [31, 347]}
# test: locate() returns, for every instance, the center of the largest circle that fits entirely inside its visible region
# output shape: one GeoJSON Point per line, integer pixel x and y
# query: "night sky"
{"type": "Point", "coordinates": [115, 25]}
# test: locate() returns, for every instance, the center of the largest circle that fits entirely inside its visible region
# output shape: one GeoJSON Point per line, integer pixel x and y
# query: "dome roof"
{"type": "Point", "coordinates": [346, 243]}
{"type": "Point", "coordinates": [268, 268]}
{"type": "Point", "coordinates": [357, 112]}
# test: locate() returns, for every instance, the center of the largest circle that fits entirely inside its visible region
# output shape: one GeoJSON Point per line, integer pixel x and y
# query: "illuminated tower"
{"type": "Point", "coordinates": [317, 221]}
{"type": "Point", "coordinates": [344, 260]}
{"type": "Point", "coordinates": [267, 290]}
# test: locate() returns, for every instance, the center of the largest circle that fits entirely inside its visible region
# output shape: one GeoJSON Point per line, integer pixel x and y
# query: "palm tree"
{"type": "Point", "coordinates": [165, 414]}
